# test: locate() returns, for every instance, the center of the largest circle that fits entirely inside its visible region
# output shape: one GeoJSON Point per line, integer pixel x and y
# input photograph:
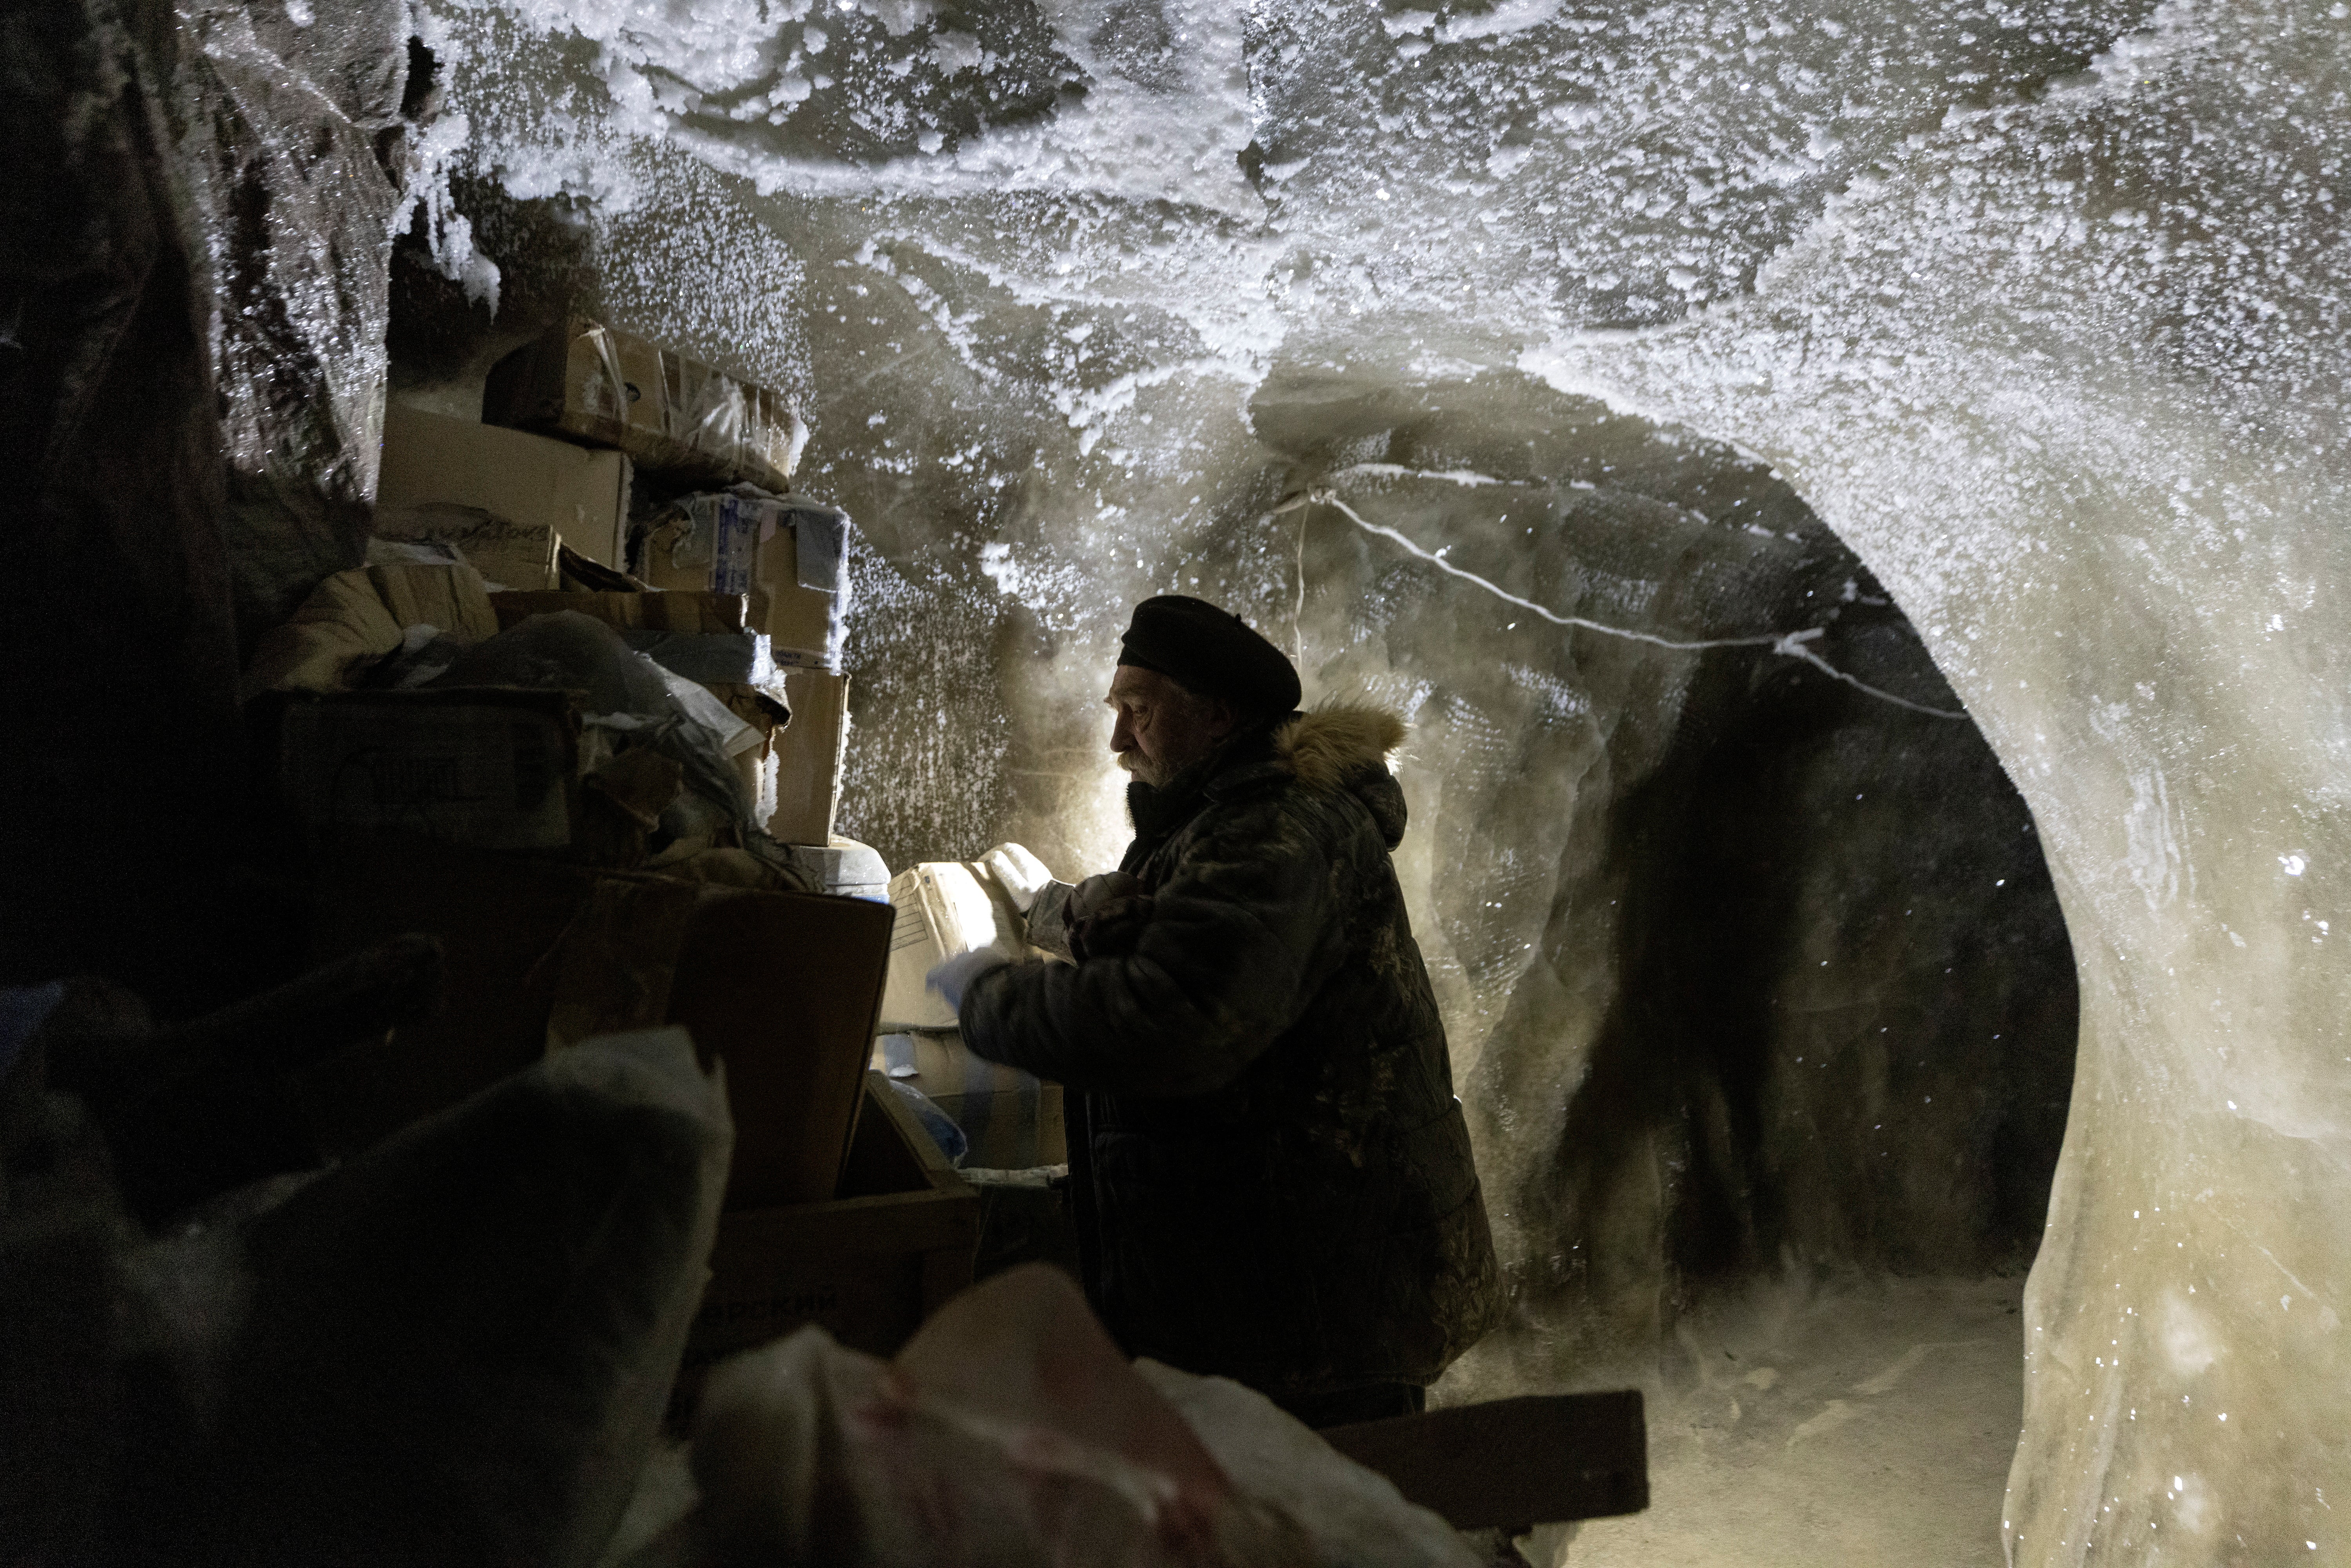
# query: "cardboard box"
{"type": "Point", "coordinates": [710, 613]}
{"type": "Point", "coordinates": [1012, 1119]}
{"type": "Point", "coordinates": [491, 767]}
{"type": "Point", "coordinates": [501, 497]}
{"type": "Point", "coordinates": [781, 986]}
{"type": "Point", "coordinates": [754, 762]}
{"type": "Point", "coordinates": [785, 986]}
{"type": "Point", "coordinates": [789, 550]}
{"type": "Point", "coordinates": [449, 596]}
{"type": "Point", "coordinates": [869, 1265]}
{"type": "Point", "coordinates": [801, 569]}
{"type": "Point", "coordinates": [589, 382]}
{"type": "Point", "coordinates": [940, 908]}
{"type": "Point", "coordinates": [706, 544]}
{"type": "Point", "coordinates": [808, 756]}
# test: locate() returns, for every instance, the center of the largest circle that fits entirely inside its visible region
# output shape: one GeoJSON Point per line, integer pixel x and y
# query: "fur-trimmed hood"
{"type": "Point", "coordinates": [1326, 748]}
{"type": "Point", "coordinates": [1345, 747]}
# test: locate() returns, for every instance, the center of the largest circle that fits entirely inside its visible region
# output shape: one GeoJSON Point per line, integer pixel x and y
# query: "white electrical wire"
{"type": "Point", "coordinates": [1788, 645]}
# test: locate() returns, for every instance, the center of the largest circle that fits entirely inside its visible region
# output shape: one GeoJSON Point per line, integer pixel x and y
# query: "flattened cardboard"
{"type": "Point", "coordinates": [528, 491]}
{"type": "Point", "coordinates": [354, 618]}
{"type": "Point", "coordinates": [785, 986]}
{"type": "Point", "coordinates": [342, 626]}
{"type": "Point", "coordinates": [449, 596]}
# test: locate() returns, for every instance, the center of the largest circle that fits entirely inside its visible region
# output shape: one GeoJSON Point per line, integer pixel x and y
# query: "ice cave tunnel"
{"type": "Point", "coordinates": [1848, 497]}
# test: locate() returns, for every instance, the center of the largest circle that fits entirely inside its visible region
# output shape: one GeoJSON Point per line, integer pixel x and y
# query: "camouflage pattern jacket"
{"type": "Point", "coordinates": [1271, 1177]}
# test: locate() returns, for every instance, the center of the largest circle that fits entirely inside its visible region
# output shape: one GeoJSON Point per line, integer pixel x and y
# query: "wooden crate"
{"type": "Point", "coordinates": [869, 1265]}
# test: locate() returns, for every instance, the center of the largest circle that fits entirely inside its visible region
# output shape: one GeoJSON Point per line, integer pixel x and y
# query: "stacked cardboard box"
{"type": "Point", "coordinates": [499, 819]}
{"type": "Point", "coordinates": [506, 500]}
{"type": "Point", "coordinates": [587, 381]}
{"type": "Point", "coordinates": [789, 550]}
{"type": "Point", "coordinates": [780, 558]}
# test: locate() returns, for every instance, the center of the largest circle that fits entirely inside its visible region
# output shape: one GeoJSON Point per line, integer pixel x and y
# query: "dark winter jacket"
{"type": "Point", "coordinates": [1272, 1178]}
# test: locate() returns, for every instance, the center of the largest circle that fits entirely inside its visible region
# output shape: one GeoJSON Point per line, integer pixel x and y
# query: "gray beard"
{"type": "Point", "coordinates": [1141, 770]}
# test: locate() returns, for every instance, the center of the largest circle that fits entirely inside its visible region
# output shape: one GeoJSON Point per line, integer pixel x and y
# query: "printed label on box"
{"type": "Point", "coordinates": [735, 546]}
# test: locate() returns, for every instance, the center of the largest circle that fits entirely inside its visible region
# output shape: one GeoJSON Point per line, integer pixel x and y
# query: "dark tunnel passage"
{"type": "Point", "coordinates": [1844, 1024]}
{"type": "Point", "coordinates": [1753, 971]}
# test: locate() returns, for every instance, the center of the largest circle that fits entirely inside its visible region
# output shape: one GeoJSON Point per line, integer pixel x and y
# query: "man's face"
{"type": "Point", "coordinates": [1162, 728]}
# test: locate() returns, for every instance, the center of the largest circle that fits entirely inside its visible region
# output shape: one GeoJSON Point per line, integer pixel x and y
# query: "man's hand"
{"type": "Point", "coordinates": [954, 977]}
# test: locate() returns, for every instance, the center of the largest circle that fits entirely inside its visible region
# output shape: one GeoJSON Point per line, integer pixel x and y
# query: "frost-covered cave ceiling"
{"type": "Point", "coordinates": [1413, 184]}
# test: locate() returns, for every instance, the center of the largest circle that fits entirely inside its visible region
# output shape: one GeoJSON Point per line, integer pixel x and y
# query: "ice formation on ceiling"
{"type": "Point", "coordinates": [1528, 166]}
{"type": "Point", "coordinates": [2040, 305]}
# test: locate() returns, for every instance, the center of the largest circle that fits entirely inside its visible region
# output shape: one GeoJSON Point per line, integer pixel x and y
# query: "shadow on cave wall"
{"type": "Point", "coordinates": [1844, 1020]}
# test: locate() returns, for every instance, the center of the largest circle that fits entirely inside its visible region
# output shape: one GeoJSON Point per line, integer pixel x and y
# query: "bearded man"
{"type": "Point", "coordinates": [1270, 1177]}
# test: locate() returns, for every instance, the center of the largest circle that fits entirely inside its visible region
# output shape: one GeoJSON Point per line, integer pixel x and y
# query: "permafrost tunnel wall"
{"type": "Point", "coordinates": [2039, 309]}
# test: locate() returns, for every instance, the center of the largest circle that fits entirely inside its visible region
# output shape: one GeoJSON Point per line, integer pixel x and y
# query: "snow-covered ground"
{"type": "Point", "coordinates": [1834, 1427]}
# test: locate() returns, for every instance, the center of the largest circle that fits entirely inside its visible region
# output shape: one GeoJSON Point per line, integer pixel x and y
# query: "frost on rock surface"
{"type": "Point", "coordinates": [294, 144]}
{"type": "Point", "coordinates": [1679, 320]}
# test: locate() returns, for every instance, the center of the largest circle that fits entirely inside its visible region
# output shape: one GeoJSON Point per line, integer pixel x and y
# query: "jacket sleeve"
{"type": "Point", "coordinates": [1240, 936]}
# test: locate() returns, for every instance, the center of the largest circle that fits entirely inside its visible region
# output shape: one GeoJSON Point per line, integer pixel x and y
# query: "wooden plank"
{"type": "Point", "coordinates": [867, 1268]}
{"type": "Point", "coordinates": [1538, 1459]}
{"type": "Point", "coordinates": [885, 1222]}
